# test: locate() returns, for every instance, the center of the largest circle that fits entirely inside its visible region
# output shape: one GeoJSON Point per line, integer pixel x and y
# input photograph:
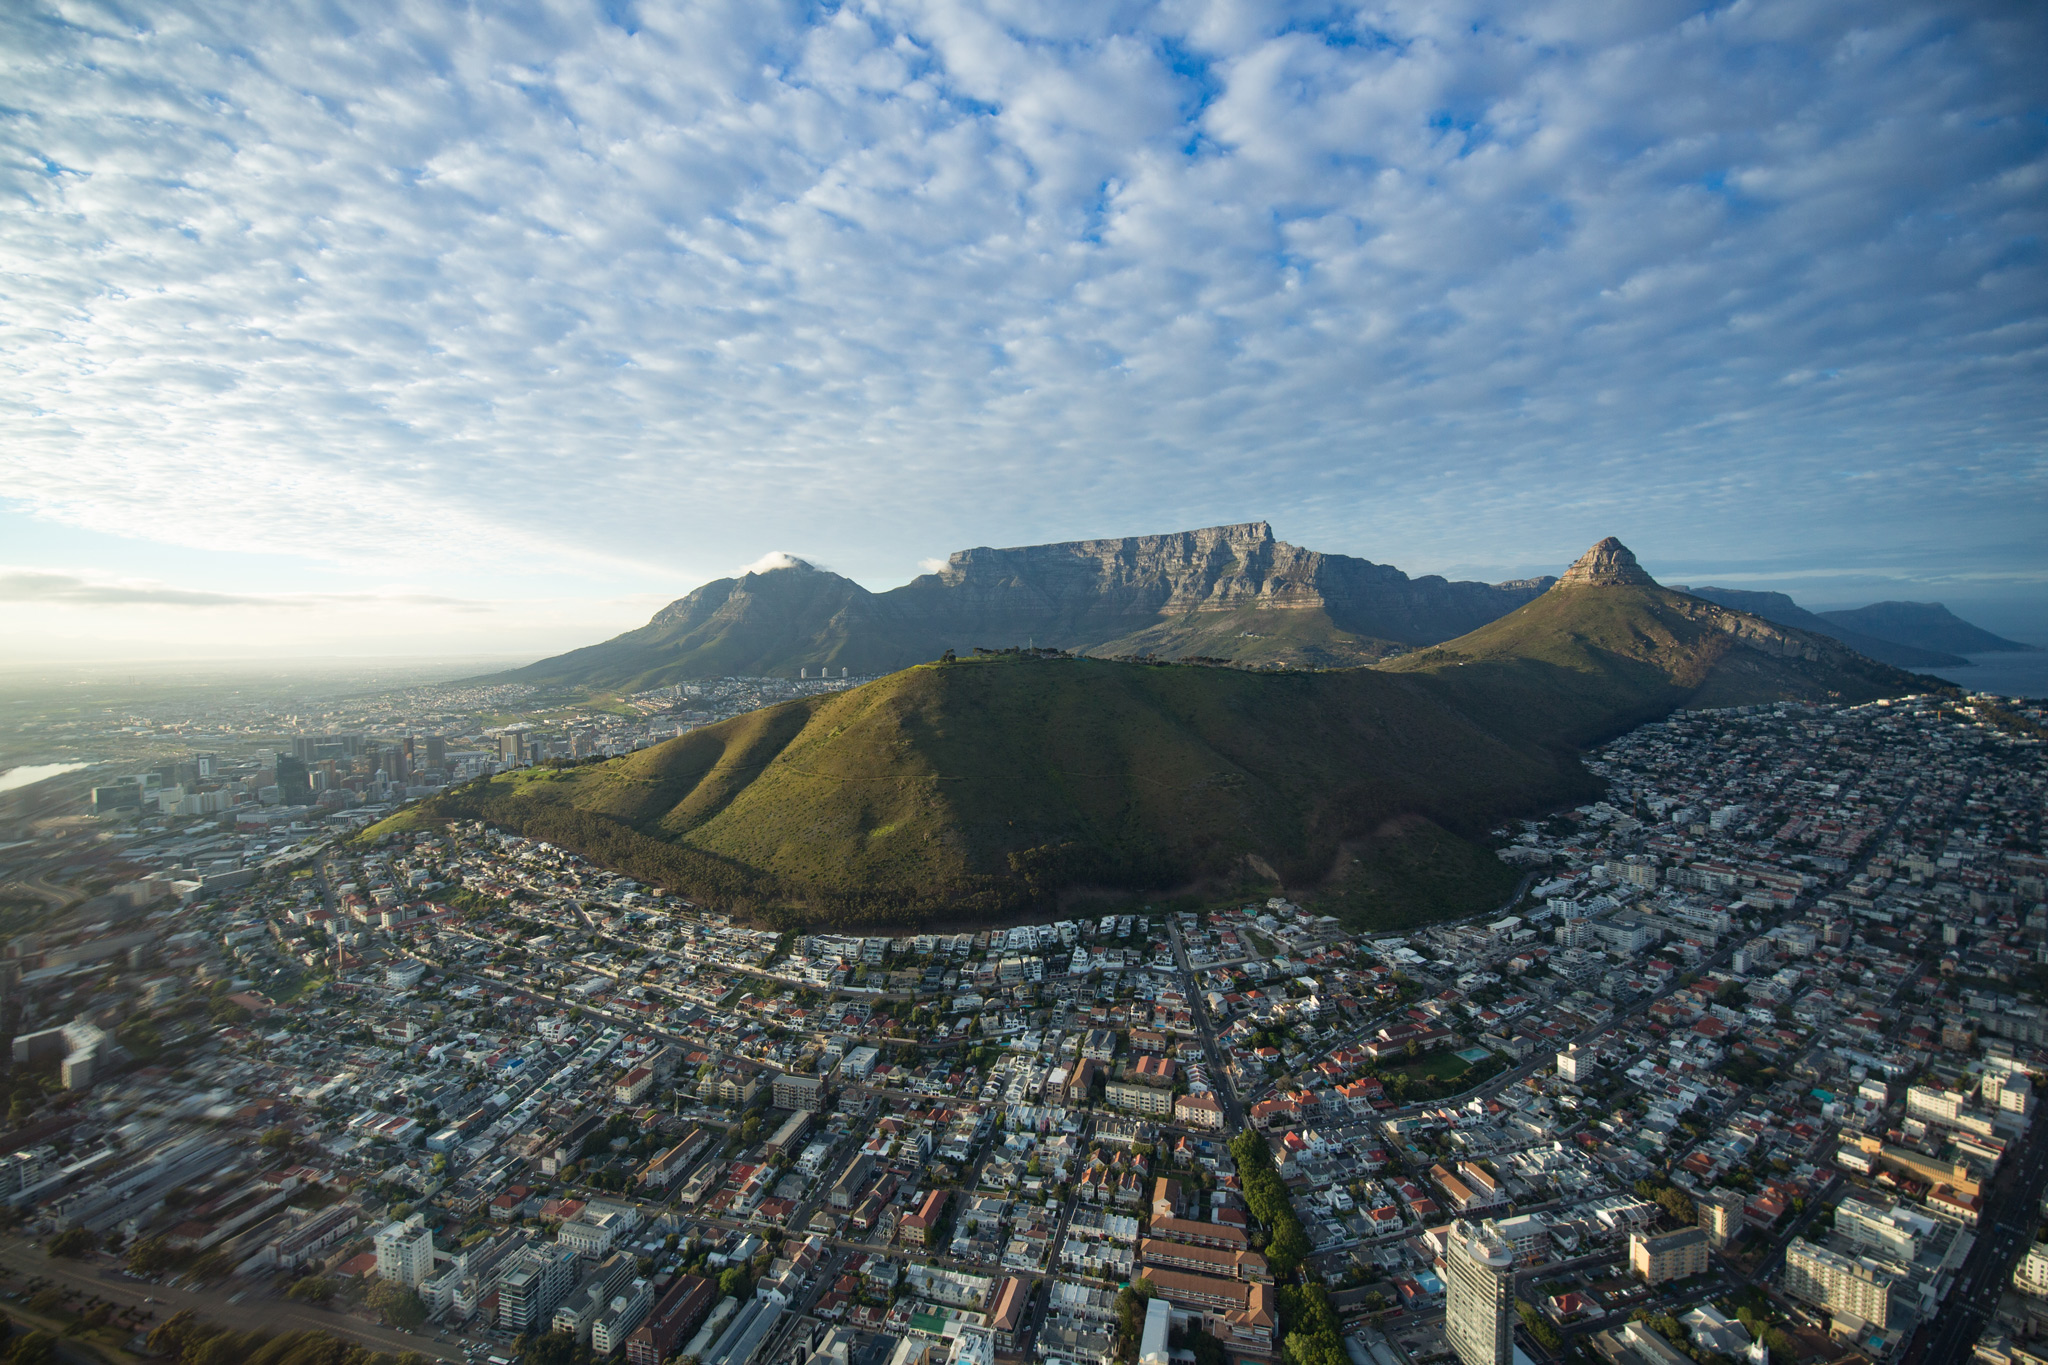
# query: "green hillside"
{"type": "Point", "coordinates": [997, 786]}
{"type": "Point", "coordinates": [991, 786]}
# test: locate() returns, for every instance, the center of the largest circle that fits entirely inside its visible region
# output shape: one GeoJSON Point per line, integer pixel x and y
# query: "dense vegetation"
{"type": "Point", "coordinates": [1266, 1195]}
{"type": "Point", "coordinates": [1411, 872]}
{"type": "Point", "coordinates": [1309, 1323]}
{"type": "Point", "coordinates": [185, 1340]}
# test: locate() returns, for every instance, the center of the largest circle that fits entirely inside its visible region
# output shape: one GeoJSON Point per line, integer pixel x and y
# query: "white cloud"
{"type": "Point", "coordinates": [1429, 282]}
{"type": "Point", "coordinates": [36, 585]}
{"type": "Point", "coordinates": [773, 560]}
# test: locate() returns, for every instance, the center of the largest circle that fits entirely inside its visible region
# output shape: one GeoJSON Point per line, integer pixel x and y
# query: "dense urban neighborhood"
{"type": "Point", "coordinates": [1745, 1070]}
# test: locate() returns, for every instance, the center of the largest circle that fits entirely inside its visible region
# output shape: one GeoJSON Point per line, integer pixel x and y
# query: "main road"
{"type": "Point", "coordinates": [244, 1309]}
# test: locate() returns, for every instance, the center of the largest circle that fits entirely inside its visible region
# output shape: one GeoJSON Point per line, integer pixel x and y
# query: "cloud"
{"type": "Point", "coordinates": [547, 284]}
{"type": "Point", "coordinates": [29, 585]}
{"type": "Point", "coordinates": [932, 565]}
{"type": "Point", "coordinates": [773, 560]}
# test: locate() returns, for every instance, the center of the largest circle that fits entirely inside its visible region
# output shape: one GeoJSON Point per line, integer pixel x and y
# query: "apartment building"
{"type": "Point", "coordinates": [405, 1252]}
{"type": "Point", "coordinates": [1667, 1256]}
{"type": "Point", "coordinates": [1479, 1296]}
{"type": "Point", "coordinates": [1840, 1284]}
{"type": "Point", "coordinates": [803, 1093]}
{"type": "Point", "coordinates": [535, 1284]}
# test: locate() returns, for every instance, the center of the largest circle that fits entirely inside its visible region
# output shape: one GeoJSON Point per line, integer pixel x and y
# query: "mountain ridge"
{"type": "Point", "coordinates": [1229, 591]}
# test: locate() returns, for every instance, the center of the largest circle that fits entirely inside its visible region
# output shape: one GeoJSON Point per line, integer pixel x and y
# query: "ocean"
{"type": "Point", "coordinates": [32, 773]}
{"type": "Point", "coordinates": [2008, 675]}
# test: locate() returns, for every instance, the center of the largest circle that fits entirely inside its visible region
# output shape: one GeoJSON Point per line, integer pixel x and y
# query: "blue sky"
{"type": "Point", "coordinates": [395, 328]}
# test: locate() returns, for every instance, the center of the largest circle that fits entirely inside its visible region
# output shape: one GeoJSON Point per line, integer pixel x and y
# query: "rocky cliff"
{"type": "Point", "coordinates": [1224, 591]}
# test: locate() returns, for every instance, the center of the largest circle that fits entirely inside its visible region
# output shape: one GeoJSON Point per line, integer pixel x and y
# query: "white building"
{"type": "Point", "coordinates": [2013, 1093]}
{"type": "Point", "coordinates": [405, 1252]}
{"type": "Point", "coordinates": [2030, 1276]}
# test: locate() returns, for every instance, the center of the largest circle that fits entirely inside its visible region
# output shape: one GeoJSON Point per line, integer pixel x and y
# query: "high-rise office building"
{"type": "Point", "coordinates": [1479, 1296]}
{"type": "Point", "coordinates": [294, 786]}
{"type": "Point", "coordinates": [430, 751]}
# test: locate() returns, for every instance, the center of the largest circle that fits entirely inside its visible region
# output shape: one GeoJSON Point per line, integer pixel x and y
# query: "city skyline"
{"type": "Point", "coordinates": [492, 335]}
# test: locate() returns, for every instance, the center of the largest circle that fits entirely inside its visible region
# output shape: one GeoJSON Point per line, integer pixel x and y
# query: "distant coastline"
{"type": "Point", "coordinates": [2011, 675]}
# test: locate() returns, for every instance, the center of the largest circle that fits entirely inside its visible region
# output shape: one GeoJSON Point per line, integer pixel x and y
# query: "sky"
{"type": "Point", "coordinates": [355, 328]}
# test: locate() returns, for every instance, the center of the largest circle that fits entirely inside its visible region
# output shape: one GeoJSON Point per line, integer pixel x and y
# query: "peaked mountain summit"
{"type": "Point", "coordinates": [1230, 592]}
{"type": "Point", "coordinates": [1011, 784]}
{"type": "Point", "coordinates": [1608, 564]}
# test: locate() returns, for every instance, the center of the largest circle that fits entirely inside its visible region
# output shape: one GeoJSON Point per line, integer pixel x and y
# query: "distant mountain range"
{"type": "Point", "coordinates": [1908, 634]}
{"type": "Point", "coordinates": [990, 787]}
{"type": "Point", "coordinates": [1225, 592]}
{"type": "Point", "coordinates": [1228, 591]}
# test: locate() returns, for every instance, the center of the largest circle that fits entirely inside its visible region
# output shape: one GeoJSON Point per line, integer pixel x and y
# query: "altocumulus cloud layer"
{"type": "Point", "coordinates": [673, 284]}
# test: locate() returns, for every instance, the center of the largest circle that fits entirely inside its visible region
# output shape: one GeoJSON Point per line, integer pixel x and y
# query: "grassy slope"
{"type": "Point", "coordinates": [989, 786]}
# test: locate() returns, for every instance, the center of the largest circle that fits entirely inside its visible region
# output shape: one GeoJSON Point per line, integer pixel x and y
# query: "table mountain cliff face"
{"type": "Point", "coordinates": [1226, 591]}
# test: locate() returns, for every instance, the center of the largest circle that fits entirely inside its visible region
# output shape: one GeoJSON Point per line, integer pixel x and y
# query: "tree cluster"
{"type": "Point", "coordinates": [1310, 1324]}
{"type": "Point", "coordinates": [1673, 1200]}
{"type": "Point", "coordinates": [1287, 1243]}
{"type": "Point", "coordinates": [183, 1339]}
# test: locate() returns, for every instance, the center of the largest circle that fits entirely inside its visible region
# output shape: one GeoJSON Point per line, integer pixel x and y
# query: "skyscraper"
{"type": "Point", "coordinates": [1479, 1296]}
{"type": "Point", "coordinates": [294, 787]}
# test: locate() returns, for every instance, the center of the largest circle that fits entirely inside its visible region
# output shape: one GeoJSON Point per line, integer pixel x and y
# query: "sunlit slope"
{"type": "Point", "coordinates": [1584, 662]}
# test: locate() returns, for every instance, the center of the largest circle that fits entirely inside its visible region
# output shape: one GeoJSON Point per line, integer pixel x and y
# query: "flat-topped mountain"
{"type": "Point", "coordinates": [1227, 591]}
{"type": "Point", "coordinates": [1928, 625]}
{"type": "Point", "coordinates": [995, 786]}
